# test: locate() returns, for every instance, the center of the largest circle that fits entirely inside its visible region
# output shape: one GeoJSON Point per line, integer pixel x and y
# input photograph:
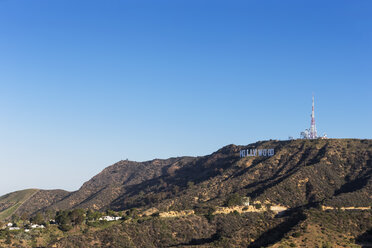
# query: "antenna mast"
{"type": "Point", "coordinates": [313, 134]}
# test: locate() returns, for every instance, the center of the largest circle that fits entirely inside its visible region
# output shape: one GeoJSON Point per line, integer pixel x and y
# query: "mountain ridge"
{"type": "Point", "coordinates": [334, 172]}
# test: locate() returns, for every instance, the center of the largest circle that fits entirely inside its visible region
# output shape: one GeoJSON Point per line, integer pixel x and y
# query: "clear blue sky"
{"type": "Point", "coordinates": [84, 84]}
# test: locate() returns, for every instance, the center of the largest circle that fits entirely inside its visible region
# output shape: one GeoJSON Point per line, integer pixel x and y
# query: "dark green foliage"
{"type": "Point", "coordinates": [62, 217]}
{"type": "Point", "coordinates": [258, 206]}
{"type": "Point", "coordinates": [203, 210]}
{"type": "Point", "coordinates": [111, 213]}
{"type": "Point", "coordinates": [3, 234]}
{"type": "Point", "coordinates": [67, 219]}
{"type": "Point", "coordinates": [8, 239]}
{"type": "Point", "coordinates": [38, 219]}
{"type": "Point", "coordinates": [234, 200]}
{"type": "Point", "coordinates": [76, 216]}
{"type": "Point", "coordinates": [93, 215]}
{"type": "Point", "coordinates": [209, 217]}
{"type": "Point", "coordinates": [296, 234]}
{"type": "Point", "coordinates": [133, 213]}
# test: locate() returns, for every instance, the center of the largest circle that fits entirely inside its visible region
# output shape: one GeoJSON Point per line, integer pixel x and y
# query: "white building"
{"type": "Point", "coordinates": [109, 218]}
{"type": "Point", "coordinates": [37, 226]}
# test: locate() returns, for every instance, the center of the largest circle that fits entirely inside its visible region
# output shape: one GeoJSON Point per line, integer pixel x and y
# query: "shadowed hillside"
{"type": "Point", "coordinates": [329, 172]}
{"type": "Point", "coordinates": [310, 193]}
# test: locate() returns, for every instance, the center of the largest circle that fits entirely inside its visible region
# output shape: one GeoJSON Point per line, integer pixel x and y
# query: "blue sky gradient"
{"type": "Point", "coordinates": [84, 84]}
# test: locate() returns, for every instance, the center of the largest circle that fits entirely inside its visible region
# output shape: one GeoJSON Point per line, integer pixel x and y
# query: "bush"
{"type": "Point", "coordinates": [234, 200]}
{"type": "Point", "coordinates": [65, 227]}
{"type": "Point", "coordinates": [76, 216]}
{"type": "Point", "coordinates": [93, 215]}
{"type": "Point", "coordinates": [258, 206]}
{"type": "Point", "coordinates": [38, 219]}
{"type": "Point", "coordinates": [204, 210]}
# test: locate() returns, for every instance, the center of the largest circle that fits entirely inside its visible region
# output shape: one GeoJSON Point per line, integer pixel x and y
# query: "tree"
{"type": "Point", "coordinates": [61, 217]}
{"type": "Point", "coordinates": [234, 200]}
{"type": "Point", "coordinates": [111, 213]}
{"type": "Point", "coordinates": [133, 212]}
{"type": "Point", "coordinates": [93, 215]}
{"type": "Point", "coordinates": [76, 216]}
{"type": "Point", "coordinates": [38, 219]}
{"type": "Point", "coordinates": [8, 240]}
{"type": "Point", "coordinates": [63, 221]}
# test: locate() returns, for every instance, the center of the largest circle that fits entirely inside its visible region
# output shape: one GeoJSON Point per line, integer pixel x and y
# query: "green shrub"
{"type": "Point", "coordinates": [258, 206]}
{"type": "Point", "coordinates": [236, 212]}
{"type": "Point", "coordinates": [234, 200]}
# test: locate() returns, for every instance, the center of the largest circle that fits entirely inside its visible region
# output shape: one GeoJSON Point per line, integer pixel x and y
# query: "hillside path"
{"type": "Point", "coordinates": [28, 198]}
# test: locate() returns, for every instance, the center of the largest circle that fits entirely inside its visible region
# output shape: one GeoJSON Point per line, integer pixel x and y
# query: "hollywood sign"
{"type": "Point", "coordinates": [256, 152]}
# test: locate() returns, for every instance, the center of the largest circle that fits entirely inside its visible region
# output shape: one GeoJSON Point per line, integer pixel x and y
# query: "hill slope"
{"type": "Point", "coordinates": [28, 201]}
{"type": "Point", "coordinates": [329, 172]}
{"type": "Point", "coordinates": [9, 203]}
{"type": "Point", "coordinates": [316, 180]}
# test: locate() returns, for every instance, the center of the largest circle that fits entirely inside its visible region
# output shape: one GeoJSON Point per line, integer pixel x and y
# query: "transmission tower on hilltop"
{"type": "Point", "coordinates": [313, 134]}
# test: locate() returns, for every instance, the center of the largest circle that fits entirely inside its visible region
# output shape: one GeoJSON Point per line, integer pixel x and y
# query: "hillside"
{"type": "Point", "coordinates": [9, 203]}
{"type": "Point", "coordinates": [35, 199]}
{"type": "Point", "coordinates": [305, 228]}
{"type": "Point", "coordinates": [325, 186]}
{"type": "Point", "coordinates": [329, 172]}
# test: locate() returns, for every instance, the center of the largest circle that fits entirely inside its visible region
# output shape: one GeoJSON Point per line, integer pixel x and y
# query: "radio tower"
{"type": "Point", "coordinates": [313, 134]}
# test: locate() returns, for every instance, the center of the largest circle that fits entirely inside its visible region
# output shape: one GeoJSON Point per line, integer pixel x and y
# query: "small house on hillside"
{"type": "Point", "coordinates": [109, 218]}
{"type": "Point", "coordinates": [33, 226]}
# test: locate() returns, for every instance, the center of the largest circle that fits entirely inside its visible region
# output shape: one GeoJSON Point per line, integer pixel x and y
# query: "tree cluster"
{"type": "Point", "coordinates": [67, 219]}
